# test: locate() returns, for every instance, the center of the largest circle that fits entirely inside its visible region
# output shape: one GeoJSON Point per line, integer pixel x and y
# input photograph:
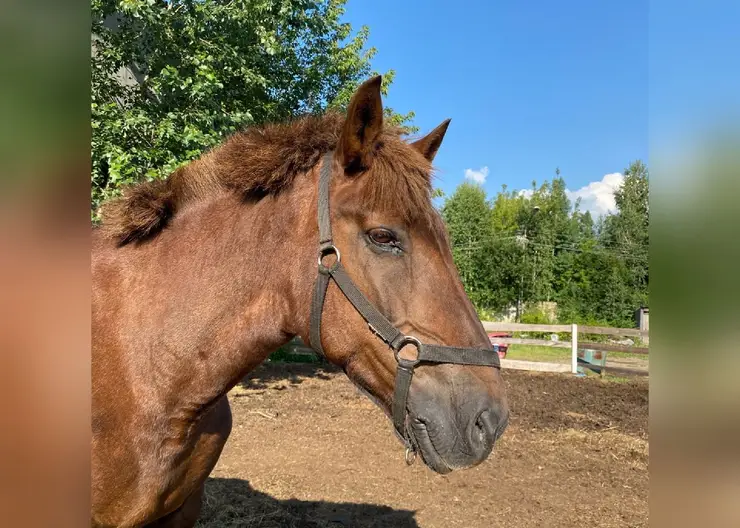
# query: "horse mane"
{"type": "Point", "coordinates": [263, 161]}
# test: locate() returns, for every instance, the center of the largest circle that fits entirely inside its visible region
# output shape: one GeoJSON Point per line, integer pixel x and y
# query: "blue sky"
{"type": "Point", "coordinates": [530, 86]}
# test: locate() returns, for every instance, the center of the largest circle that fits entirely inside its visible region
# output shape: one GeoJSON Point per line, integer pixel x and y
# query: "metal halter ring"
{"type": "Point", "coordinates": [408, 340]}
{"type": "Point", "coordinates": [326, 251]}
{"type": "Point", "coordinates": [410, 456]}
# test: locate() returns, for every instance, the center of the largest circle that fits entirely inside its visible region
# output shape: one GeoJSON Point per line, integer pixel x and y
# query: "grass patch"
{"type": "Point", "coordinates": [538, 353]}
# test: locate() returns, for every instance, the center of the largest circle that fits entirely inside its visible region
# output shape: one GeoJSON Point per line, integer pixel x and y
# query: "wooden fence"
{"type": "Point", "coordinates": [574, 330]}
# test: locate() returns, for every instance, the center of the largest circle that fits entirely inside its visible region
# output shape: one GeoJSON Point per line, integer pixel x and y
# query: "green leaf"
{"type": "Point", "coordinates": [205, 69]}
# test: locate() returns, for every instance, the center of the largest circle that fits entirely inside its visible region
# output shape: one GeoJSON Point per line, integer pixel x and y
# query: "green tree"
{"type": "Point", "coordinates": [627, 232]}
{"type": "Point", "coordinates": [546, 236]}
{"type": "Point", "coordinates": [468, 216]}
{"type": "Point", "coordinates": [505, 212]}
{"type": "Point", "coordinates": [501, 260]}
{"type": "Point", "coordinates": [498, 272]}
{"type": "Point", "coordinates": [171, 78]}
{"type": "Point", "coordinates": [596, 290]}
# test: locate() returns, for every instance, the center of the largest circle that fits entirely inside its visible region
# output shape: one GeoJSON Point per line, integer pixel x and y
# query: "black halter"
{"type": "Point", "coordinates": [379, 325]}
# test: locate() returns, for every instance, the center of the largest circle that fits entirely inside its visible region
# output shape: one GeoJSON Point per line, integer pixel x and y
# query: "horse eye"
{"type": "Point", "coordinates": [382, 236]}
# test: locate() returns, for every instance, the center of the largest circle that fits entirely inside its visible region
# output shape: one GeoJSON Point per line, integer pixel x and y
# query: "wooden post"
{"type": "Point", "coordinates": [574, 348]}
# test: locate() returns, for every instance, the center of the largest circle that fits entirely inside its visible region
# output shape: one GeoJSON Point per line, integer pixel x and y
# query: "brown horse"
{"type": "Point", "coordinates": [199, 277]}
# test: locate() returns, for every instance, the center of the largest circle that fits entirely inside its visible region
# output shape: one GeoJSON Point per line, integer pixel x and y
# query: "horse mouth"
{"type": "Point", "coordinates": [425, 446]}
{"type": "Point", "coordinates": [423, 443]}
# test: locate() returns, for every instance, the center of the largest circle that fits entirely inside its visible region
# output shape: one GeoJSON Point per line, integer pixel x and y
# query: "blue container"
{"type": "Point", "coordinates": [594, 360]}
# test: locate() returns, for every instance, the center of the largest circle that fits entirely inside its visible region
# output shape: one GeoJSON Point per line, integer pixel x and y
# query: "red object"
{"type": "Point", "coordinates": [500, 348]}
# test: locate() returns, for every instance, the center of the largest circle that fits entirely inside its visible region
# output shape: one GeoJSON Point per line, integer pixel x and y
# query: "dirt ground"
{"type": "Point", "coordinates": [308, 450]}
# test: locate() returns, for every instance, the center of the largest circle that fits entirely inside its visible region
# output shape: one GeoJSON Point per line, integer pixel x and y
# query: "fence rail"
{"type": "Point", "coordinates": [520, 327]}
{"type": "Point", "coordinates": [623, 370]}
{"type": "Point", "coordinates": [556, 328]}
{"type": "Point", "coordinates": [605, 347]}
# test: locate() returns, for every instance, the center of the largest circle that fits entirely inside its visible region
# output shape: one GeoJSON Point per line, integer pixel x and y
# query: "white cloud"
{"type": "Point", "coordinates": [598, 197]}
{"type": "Point", "coordinates": [478, 176]}
{"type": "Point", "coordinates": [527, 193]}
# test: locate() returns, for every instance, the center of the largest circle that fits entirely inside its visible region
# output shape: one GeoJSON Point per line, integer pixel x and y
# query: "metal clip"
{"type": "Point", "coordinates": [410, 456]}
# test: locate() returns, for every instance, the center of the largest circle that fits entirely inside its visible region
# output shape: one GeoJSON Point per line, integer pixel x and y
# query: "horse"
{"type": "Point", "coordinates": [199, 277]}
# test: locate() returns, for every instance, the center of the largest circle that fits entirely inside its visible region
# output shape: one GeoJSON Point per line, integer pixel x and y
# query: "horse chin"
{"type": "Point", "coordinates": [425, 447]}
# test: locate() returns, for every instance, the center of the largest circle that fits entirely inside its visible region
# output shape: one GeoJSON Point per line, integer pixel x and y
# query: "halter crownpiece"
{"type": "Point", "coordinates": [377, 322]}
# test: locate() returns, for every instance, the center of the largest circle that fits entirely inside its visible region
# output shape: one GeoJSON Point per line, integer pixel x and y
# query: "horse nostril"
{"type": "Point", "coordinates": [485, 427]}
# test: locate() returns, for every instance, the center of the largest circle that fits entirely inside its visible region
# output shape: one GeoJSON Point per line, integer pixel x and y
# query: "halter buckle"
{"type": "Point", "coordinates": [325, 251]}
{"type": "Point", "coordinates": [408, 363]}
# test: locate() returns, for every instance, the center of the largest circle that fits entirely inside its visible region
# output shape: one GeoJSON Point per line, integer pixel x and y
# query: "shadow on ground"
{"type": "Point", "coordinates": [294, 373]}
{"type": "Point", "coordinates": [235, 503]}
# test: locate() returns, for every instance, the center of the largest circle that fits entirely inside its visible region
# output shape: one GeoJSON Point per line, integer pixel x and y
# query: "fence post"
{"type": "Point", "coordinates": [574, 348]}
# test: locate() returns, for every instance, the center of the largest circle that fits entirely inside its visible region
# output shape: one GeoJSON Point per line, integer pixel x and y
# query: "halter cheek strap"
{"type": "Point", "coordinates": [377, 322]}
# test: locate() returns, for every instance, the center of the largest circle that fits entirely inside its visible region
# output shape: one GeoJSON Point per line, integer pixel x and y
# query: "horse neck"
{"type": "Point", "coordinates": [225, 285]}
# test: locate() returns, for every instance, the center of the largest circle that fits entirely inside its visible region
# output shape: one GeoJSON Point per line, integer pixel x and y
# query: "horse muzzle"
{"type": "Point", "coordinates": [450, 437]}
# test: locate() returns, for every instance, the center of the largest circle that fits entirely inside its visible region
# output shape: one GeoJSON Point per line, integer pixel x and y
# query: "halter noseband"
{"type": "Point", "coordinates": [377, 322]}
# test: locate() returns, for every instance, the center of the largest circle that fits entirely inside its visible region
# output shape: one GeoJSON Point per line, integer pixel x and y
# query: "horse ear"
{"type": "Point", "coordinates": [429, 144]}
{"type": "Point", "coordinates": [362, 127]}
